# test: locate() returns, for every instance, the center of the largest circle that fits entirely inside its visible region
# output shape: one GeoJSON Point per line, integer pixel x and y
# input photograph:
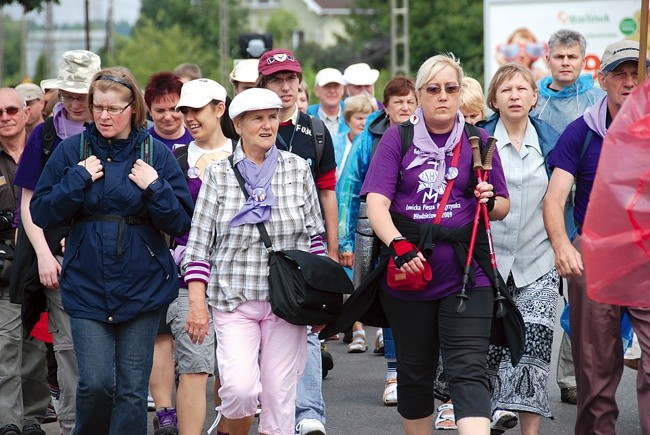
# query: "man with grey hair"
{"type": "Point", "coordinates": [563, 97]}
{"type": "Point", "coordinates": [24, 395]}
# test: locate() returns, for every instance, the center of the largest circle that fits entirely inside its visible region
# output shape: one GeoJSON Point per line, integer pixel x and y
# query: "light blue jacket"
{"type": "Point", "coordinates": [353, 175]}
{"type": "Point", "coordinates": [559, 108]}
{"type": "Point", "coordinates": [312, 110]}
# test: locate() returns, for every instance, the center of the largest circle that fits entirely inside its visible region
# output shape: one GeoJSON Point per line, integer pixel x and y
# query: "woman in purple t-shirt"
{"type": "Point", "coordinates": [403, 194]}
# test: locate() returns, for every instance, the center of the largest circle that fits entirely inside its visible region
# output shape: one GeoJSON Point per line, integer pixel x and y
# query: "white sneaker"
{"type": "Point", "coordinates": [151, 405]}
{"type": "Point", "coordinates": [503, 420]}
{"type": "Point", "coordinates": [310, 426]}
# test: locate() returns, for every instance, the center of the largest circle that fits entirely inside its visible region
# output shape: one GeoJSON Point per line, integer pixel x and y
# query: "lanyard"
{"type": "Point", "coordinates": [284, 143]}
{"type": "Point", "coordinates": [450, 183]}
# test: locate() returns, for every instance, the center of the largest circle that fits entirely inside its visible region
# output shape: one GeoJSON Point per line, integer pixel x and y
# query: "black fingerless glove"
{"type": "Point", "coordinates": [402, 251]}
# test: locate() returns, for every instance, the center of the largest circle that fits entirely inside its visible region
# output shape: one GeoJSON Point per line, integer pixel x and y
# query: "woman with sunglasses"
{"type": "Point", "coordinates": [522, 47]}
{"type": "Point", "coordinates": [404, 193]}
{"type": "Point", "coordinates": [119, 190]}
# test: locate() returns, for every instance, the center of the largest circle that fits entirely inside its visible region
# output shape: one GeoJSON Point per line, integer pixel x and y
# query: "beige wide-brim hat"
{"type": "Point", "coordinates": [76, 71]}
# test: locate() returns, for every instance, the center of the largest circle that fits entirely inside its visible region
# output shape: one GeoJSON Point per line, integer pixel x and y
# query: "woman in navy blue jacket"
{"type": "Point", "coordinates": [120, 191]}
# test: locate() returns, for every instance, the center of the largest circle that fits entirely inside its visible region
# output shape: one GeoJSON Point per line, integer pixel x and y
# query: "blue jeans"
{"type": "Point", "coordinates": [309, 397]}
{"type": "Point", "coordinates": [389, 344]}
{"type": "Point", "coordinates": [114, 365]}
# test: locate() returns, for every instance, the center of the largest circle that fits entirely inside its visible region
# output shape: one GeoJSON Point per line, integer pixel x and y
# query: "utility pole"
{"type": "Point", "coordinates": [87, 23]}
{"type": "Point", "coordinates": [224, 39]}
{"type": "Point", "coordinates": [109, 31]}
{"type": "Point", "coordinates": [399, 37]}
{"type": "Point", "coordinates": [49, 41]}
{"type": "Point", "coordinates": [23, 46]}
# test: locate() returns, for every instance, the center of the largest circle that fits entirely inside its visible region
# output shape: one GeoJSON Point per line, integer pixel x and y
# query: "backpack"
{"type": "Point", "coordinates": [181, 157]}
{"type": "Point", "coordinates": [48, 137]}
{"type": "Point", "coordinates": [146, 149]}
{"type": "Point", "coordinates": [318, 136]}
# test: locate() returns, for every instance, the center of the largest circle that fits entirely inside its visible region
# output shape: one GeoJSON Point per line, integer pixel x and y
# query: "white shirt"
{"type": "Point", "coordinates": [521, 244]}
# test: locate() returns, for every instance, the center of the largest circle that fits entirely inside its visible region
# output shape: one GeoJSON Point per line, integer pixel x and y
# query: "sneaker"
{"type": "Point", "coordinates": [390, 392]}
{"type": "Point", "coordinates": [151, 405]}
{"type": "Point", "coordinates": [55, 393]}
{"type": "Point", "coordinates": [358, 344]}
{"type": "Point", "coordinates": [569, 395]}
{"type": "Point", "coordinates": [379, 342]}
{"type": "Point", "coordinates": [165, 422]}
{"type": "Point", "coordinates": [50, 414]}
{"type": "Point", "coordinates": [10, 429]}
{"type": "Point", "coordinates": [33, 429]}
{"type": "Point", "coordinates": [310, 426]}
{"type": "Point", "coordinates": [503, 420]}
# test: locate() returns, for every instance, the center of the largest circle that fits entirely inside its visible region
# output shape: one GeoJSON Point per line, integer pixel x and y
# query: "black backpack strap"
{"type": "Point", "coordinates": [181, 158]}
{"type": "Point", "coordinates": [318, 136]}
{"type": "Point", "coordinates": [406, 132]}
{"type": "Point", "coordinates": [146, 150]}
{"type": "Point", "coordinates": [84, 147]}
{"type": "Point", "coordinates": [48, 137]}
{"type": "Point", "coordinates": [585, 146]}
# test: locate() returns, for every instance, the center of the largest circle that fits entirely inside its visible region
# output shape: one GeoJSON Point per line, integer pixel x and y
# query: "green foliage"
{"type": "Point", "coordinates": [199, 20]}
{"type": "Point", "coordinates": [28, 5]}
{"type": "Point", "coordinates": [39, 74]}
{"type": "Point", "coordinates": [11, 71]}
{"type": "Point", "coordinates": [152, 49]}
{"type": "Point", "coordinates": [435, 26]}
{"type": "Point", "coordinates": [281, 25]}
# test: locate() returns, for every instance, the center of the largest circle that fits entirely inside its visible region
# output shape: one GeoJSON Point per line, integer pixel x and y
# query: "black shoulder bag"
{"type": "Point", "coordinates": [304, 288]}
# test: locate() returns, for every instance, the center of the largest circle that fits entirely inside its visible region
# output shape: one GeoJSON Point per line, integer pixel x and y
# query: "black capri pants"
{"type": "Point", "coordinates": [420, 329]}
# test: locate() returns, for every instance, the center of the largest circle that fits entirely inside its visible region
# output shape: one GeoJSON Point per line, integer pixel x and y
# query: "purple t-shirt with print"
{"type": "Point", "coordinates": [415, 198]}
{"type": "Point", "coordinates": [170, 143]}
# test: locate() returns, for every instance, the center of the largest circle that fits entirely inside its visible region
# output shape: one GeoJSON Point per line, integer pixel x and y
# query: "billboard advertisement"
{"type": "Point", "coordinates": [520, 29]}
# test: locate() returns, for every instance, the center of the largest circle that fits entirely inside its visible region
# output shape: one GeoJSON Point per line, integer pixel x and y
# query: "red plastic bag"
{"type": "Point", "coordinates": [616, 232]}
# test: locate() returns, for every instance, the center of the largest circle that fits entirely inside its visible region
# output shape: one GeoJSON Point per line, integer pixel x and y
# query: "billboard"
{"type": "Point", "coordinates": [519, 29]}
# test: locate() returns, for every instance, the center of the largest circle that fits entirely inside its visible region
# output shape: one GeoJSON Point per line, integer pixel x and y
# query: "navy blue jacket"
{"type": "Point", "coordinates": [113, 271]}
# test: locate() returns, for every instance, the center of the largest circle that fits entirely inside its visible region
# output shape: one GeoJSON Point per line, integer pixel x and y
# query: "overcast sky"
{"type": "Point", "coordinates": [72, 11]}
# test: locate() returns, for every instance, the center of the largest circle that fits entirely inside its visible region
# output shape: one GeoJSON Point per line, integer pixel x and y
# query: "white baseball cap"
{"type": "Point", "coordinates": [198, 93]}
{"type": "Point", "coordinates": [360, 74]}
{"type": "Point", "coordinates": [253, 99]}
{"type": "Point", "coordinates": [329, 75]}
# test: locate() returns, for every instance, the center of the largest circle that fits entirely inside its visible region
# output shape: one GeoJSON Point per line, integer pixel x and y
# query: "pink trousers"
{"type": "Point", "coordinates": [260, 356]}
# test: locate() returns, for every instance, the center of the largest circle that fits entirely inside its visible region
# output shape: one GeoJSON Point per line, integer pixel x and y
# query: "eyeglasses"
{"type": "Point", "coordinates": [113, 111]}
{"type": "Point", "coordinates": [278, 81]}
{"type": "Point", "coordinates": [69, 98]}
{"type": "Point", "coordinates": [449, 89]}
{"type": "Point", "coordinates": [11, 110]}
{"type": "Point", "coordinates": [533, 49]}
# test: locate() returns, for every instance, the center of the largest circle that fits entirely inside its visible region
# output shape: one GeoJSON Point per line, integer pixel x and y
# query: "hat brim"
{"type": "Point", "coordinates": [193, 101]}
{"type": "Point", "coordinates": [73, 87]}
{"type": "Point", "coordinates": [611, 66]}
{"type": "Point", "coordinates": [368, 79]}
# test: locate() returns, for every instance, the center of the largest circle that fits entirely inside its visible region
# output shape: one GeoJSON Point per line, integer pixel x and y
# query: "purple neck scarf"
{"type": "Point", "coordinates": [63, 126]}
{"type": "Point", "coordinates": [427, 149]}
{"type": "Point", "coordinates": [257, 207]}
{"type": "Point", "coordinates": [596, 117]}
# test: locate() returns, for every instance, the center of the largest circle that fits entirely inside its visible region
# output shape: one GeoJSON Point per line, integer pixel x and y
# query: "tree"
{"type": "Point", "coordinates": [152, 49]}
{"type": "Point", "coordinates": [200, 20]}
{"type": "Point", "coordinates": [28, 5]}
{"type": "Point", "coordinates": [281, 25]}
{"type": "Point", "coordinates": [11, 60]}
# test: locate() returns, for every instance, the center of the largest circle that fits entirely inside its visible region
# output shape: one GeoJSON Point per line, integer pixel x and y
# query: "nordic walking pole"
{"type": "Point", "coordinates": [487, 167]}
{"type": "Point", "coordinates": [462, 296]}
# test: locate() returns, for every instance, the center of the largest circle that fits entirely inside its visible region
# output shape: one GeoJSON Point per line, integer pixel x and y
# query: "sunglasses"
{"type": "Point", "coordinates": [11, 110]}
{"type": "Point", "coordinates": [449, 89]}
{"type": "Point", "coordinates": [533, 49]}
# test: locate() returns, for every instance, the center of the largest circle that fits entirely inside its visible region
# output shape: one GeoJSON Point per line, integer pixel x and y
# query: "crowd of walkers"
{"type": "Point", "coordinates": [134, 266]}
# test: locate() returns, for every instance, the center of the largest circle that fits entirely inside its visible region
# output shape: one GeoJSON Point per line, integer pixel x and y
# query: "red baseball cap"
{"type": "Point", "coordinates": [274, 61]}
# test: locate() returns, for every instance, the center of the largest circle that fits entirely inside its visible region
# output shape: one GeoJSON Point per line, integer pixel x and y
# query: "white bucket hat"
{"type": "Point", "coordinates": [76, 71]}
{"type": "Point", "coordinates": [245, 71]}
